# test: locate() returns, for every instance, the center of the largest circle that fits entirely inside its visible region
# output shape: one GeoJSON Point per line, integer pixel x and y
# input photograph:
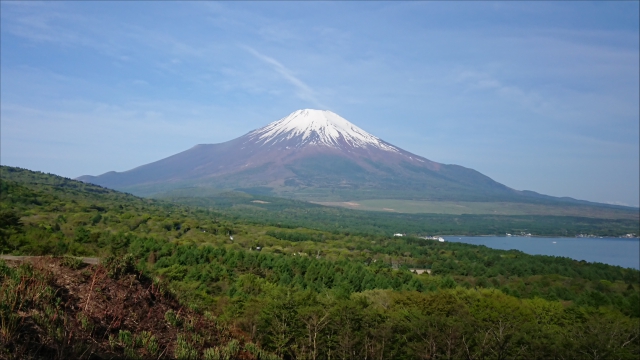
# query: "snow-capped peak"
{"type": "Point", "coordinates": [318, 127]}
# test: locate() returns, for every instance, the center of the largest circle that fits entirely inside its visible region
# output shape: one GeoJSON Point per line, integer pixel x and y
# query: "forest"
{"type": "Point", "coordinates": [263, 209]}
{"type": "Point", "coordinates": [284, 283]}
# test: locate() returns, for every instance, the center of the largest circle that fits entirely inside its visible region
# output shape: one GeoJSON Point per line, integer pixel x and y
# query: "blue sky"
{"type": "Point", "coordinates": [539, 96]}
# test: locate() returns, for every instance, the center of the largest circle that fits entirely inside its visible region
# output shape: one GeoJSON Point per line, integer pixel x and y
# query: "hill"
{"type": "Point", "coordinates": [55, 193]}
{"type": "Point", "coordinates": [288, 290]}
{"type": "Point", "coordinates": [59, 308]}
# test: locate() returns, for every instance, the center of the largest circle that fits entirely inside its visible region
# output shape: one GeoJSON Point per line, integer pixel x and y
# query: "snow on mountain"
{"type": "Point", "coordinates": [317, 127]}
{"type": "Point", "coordinates": [309, 154]}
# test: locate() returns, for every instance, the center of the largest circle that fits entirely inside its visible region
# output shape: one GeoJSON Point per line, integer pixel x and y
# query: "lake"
{"type": "Point", "coordinates": [612, 251]}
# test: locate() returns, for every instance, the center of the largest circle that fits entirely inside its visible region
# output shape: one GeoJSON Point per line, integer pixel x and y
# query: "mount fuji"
{"type": "Point", "coordinates": [311, 155]}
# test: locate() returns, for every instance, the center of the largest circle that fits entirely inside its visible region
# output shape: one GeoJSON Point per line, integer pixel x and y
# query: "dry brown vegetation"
{"type": "Point", "coordinates": [53, 308]}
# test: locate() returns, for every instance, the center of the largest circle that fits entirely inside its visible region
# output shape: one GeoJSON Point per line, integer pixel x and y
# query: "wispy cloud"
{"type": "Point", "coordinates": [523, 97]}
{"type": "Point", "coordinates": [120, 40]}
{"type": "Point", "coordinates": [303, 91]}
{"type": "Point", "coordinates": [50, 23]}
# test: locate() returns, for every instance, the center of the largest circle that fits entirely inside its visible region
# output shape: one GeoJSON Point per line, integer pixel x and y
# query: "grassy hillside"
{"type": "Point", "coordinates": [289, 291]}
{"type": "Point", "coordinates": [487, 208]}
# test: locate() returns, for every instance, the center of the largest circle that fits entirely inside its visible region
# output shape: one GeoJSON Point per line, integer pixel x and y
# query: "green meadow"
{"type": "Point", "coordinates": [484, 208]}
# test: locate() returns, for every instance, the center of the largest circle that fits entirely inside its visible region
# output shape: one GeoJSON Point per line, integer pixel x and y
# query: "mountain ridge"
{"type": "Point", "coordinates": [313, 155]}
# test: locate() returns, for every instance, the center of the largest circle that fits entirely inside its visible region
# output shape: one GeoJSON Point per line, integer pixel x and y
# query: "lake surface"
{"type": "Point", "coordinates": [612, 251]}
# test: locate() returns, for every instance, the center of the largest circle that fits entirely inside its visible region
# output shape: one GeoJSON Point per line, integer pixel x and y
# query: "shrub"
{"type": "Point", "coordinates": [232, 349]}
{"type": "Point", "coordinates": [184, 350]}
{"type": "Point", "coordinates": [118, 266]}
{"type": "Point", "coordinates": [149, 342]}
{"type": "Point", "coordinates": [211, 354]}
{"type": "Point", "coordinates": [131, 353]}
{"type": "Point", "coordinates": [85, 323]}
{"type": "Point", "coordinates": [71, 262]}
{"type": "Point", "coordinates": [125, 338]}
{"type": "Point", "coordinates": [252, 348]}
{"type": "Point", "coordinates": [173, 318]}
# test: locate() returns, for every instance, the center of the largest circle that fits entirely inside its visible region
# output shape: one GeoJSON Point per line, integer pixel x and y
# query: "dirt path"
{"type": "Point", "coordinates": [86, 260]}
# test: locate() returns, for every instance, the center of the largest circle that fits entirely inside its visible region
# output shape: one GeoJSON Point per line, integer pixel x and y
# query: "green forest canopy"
{"type": "Point", "coordinates": [307, 292]}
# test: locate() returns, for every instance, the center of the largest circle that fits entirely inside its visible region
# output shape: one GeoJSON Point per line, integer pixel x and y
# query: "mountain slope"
{"type": "Point", "coordinates": [50, 202]}
{"type": "Point", "coordinates": [312, 155]}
